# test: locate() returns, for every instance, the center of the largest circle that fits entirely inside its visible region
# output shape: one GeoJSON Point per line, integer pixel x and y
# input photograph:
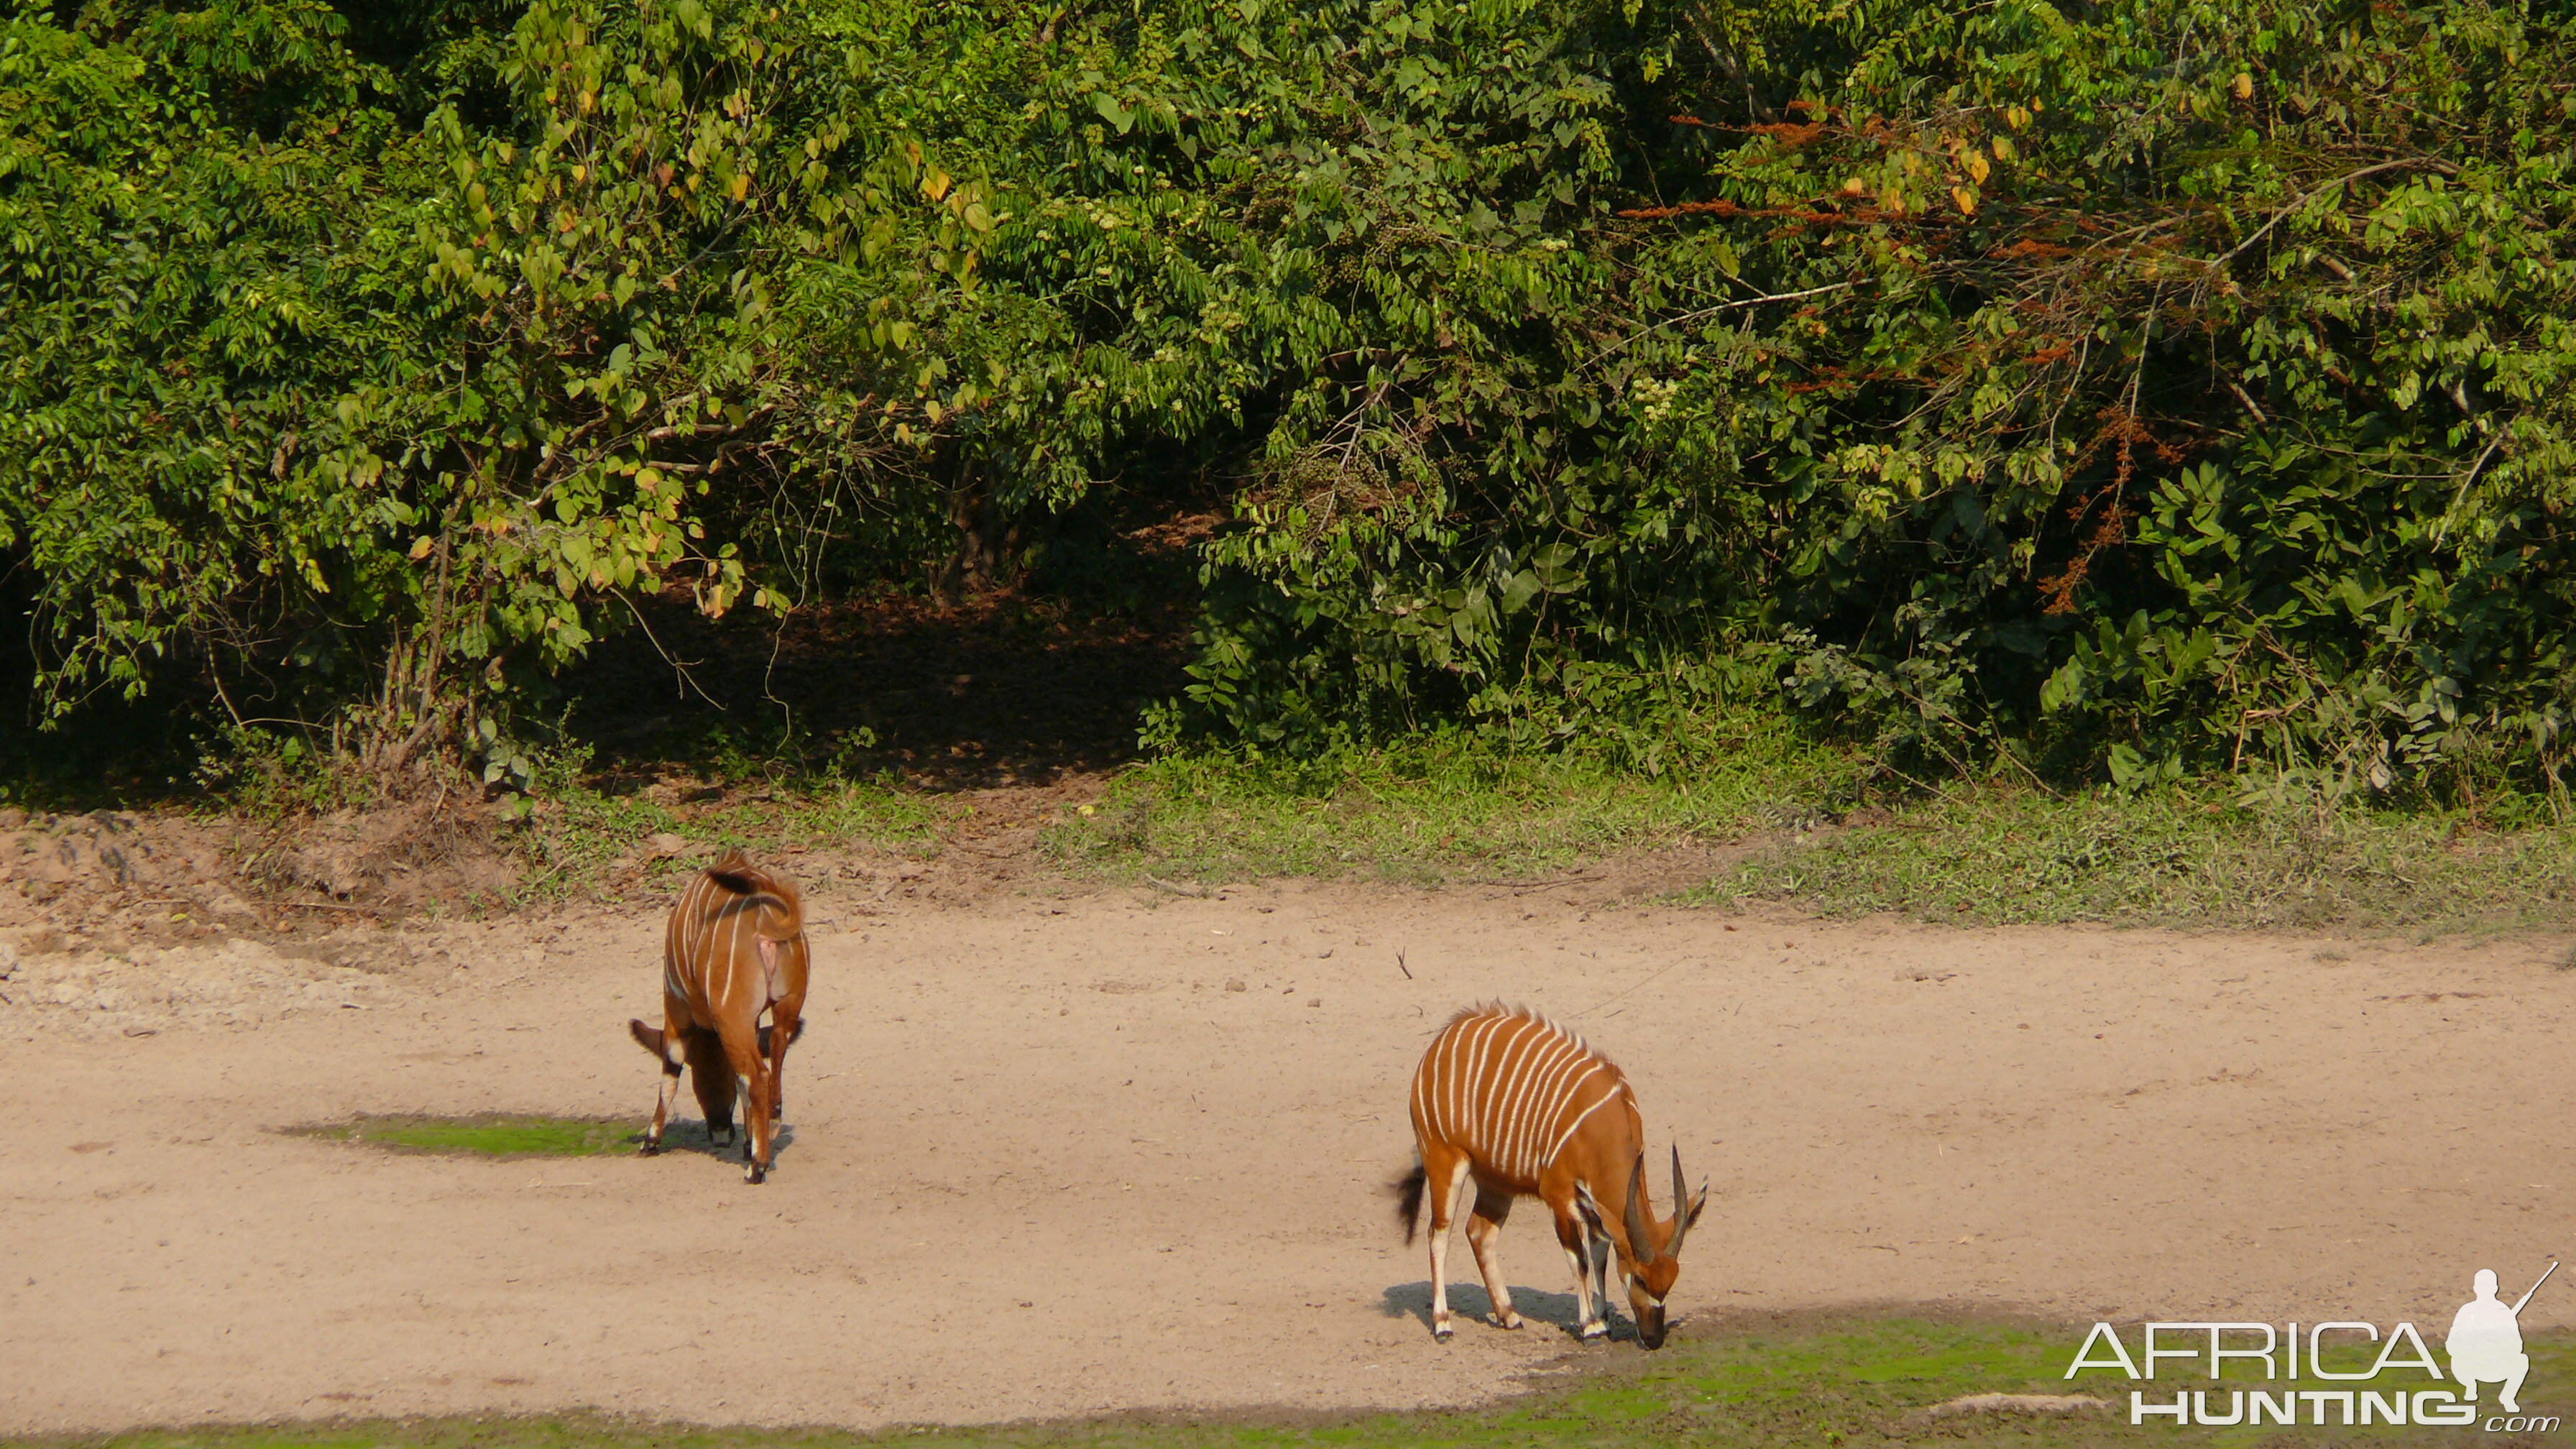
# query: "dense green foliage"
{"type": "Point", "coordinates": [2156, 385]}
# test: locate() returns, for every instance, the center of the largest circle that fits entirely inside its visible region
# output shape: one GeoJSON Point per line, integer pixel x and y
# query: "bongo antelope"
{"type": "Point", "coordinates": [735, 948]}
{"type": "Point", "coordinates": [1520, 1105]}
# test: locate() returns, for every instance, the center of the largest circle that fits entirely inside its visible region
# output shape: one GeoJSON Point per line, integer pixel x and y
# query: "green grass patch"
{"type": "Point", "coordinates": [2208, 856]}
{"type": "Point", "coordinates": [575, 838]}
{"type": "Point", "coordinates": [1802, 1383]}
{"type": "Point", "coordinates": [1830, 834]}
{"type": "Point", "coordinates": [1443, 807]}
{"type": "Point", "coordinates": [490, 1134]}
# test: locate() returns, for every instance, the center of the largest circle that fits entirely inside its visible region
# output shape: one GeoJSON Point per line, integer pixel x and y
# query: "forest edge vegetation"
{"type": "Point", "coordinates": [2132, 390]}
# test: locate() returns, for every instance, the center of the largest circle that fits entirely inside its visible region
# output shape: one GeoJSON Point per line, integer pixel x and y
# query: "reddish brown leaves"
{"type": "Point", "coordinates": [1728, 210]}
{"type": "Point", "coordinates": [2126, 431]}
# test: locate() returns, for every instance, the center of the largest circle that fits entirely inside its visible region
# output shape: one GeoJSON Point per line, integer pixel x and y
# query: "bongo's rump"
{"type": "Point", "coordinates": [1524, 1108]}
{"type": "Point", "coordinates": [733, 951]}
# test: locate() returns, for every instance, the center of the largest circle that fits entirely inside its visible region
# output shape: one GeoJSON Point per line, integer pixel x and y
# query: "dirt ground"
{"type": "Point", "coordinates": [1057, 1150]}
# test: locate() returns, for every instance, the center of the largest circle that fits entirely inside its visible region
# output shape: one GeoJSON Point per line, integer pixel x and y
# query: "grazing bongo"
{"type": "Point", "coordinates": [1522, 1106]}
{"type": "Point", "coordinates": [735, 948]}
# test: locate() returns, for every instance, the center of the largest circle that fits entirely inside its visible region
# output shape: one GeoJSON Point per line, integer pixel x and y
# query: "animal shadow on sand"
{"type": "Point", "coordinates": [689, 1134]}
{"type": "Point", "coordinates": [1470, 1305]}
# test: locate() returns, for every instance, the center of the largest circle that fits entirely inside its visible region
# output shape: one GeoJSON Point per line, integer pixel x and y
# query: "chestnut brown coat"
{"type": "Point", "coordinates": [1524, 1108]}
{"type": "Point", "coordinates": [734, 950]}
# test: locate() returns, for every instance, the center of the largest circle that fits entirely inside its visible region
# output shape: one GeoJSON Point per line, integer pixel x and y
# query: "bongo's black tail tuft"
{"type": "Point", "coordinates": [1408, 1200]}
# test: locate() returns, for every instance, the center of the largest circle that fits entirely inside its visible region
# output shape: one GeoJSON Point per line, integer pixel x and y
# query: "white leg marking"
{"type": "Point", "coordinates": [1582, 1292]}
{"type": "Point", "coordinates": [1440, 1250]}
{"type": "Point", "coordinates": [1600, 1251]}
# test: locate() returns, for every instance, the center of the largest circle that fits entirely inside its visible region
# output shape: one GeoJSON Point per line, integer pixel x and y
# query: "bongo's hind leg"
{"type": "Point", "coordinates": [712, 1074]}
{"type": "Point", "coordinates": [742, 1049]}
{"type": "Point", "coordinates": [775, 1039]}
{"type": "Point", "coordinates": [664, 1045]}
{"type": "Point", "coordinates": [1484, 1224]}
{"type": "Point", "coordinates": [1445, 1172]}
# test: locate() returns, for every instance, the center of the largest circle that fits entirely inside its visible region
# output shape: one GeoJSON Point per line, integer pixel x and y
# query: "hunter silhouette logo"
{"type": "Point", "coordinates": [2485, 1341]}
{"type": "Point", "coordinates": [2484, 1346]}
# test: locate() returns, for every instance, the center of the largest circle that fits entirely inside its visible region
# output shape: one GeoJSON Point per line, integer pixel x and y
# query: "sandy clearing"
{"type": "Point", "coordinates": [1045, 1162]}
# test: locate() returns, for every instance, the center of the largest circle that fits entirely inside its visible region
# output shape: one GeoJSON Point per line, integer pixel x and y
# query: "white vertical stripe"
{"type": "Point", "coordinates": [1568, 1134]}
{"type": "Point", "coordinates": [1446, 1084]}
{"type": "Point", "coordinates": [1455, 1105]}
{"type": "Point", "coordinates": [1506, 1088]}
{"type": "Point", "coordinates": [1525, 1094]}
{"type": "Point", "coordinates": [1541, 1104]}
{"type": "Point", "coordinates": [1478, 1119]}
{"type": "Point", "coordinates": [1423, 1074]}
{"type": "Point", "coordinates": [1428, 1083]}
{"type": "Point", "coordinates": [1510, 1083]}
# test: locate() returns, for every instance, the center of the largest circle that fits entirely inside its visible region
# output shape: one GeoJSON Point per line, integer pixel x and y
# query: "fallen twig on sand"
{"type": "Point", "coordinates": [1522, 888]}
